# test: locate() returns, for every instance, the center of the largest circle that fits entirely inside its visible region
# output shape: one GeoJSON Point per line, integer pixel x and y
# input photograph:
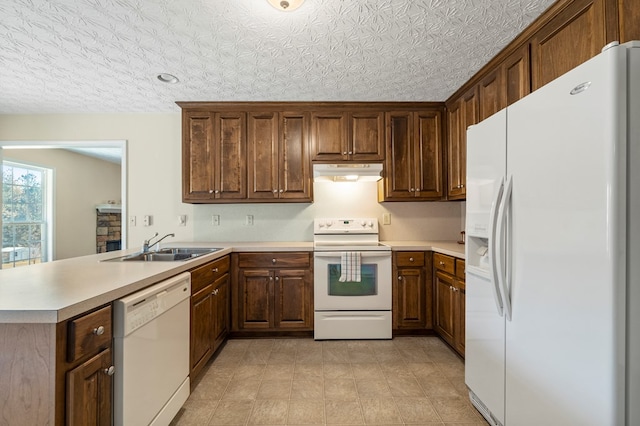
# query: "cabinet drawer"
{"type": "Point", "coordinates": [410, 258]}
{"type": "Point", "coordinates": [89, 333]}
{"type": "Point", "coordinates": [444, 263]}
{"type": "Point", "coordinates": [460, 268]}
{"type": "Point", "coordinates": [277, 260]}
{"type": "Point", "coordinates": [208, 273]}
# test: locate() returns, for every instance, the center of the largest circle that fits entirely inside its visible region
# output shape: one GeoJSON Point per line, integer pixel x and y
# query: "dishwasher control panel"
{"type": "Point", "coordinates": [138, 309]}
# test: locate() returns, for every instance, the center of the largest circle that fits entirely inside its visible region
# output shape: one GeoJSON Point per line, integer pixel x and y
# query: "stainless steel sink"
{"type": "Point", "coordinates": [165, 255]}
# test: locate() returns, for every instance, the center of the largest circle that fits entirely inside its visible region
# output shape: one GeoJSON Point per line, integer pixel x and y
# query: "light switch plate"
{"type": "Point", "coordinates": [386, 218]}
{"type": "Point", "coordinates": [215, 220]}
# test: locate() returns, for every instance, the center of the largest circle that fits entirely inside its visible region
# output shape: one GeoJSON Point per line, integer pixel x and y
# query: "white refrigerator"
{"type": "Point", "coordinates": [553, 251]}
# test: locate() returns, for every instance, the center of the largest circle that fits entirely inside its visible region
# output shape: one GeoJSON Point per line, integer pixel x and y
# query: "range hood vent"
{"type": "Point", "coordinates": [109, 208]}
{"type": "Point", "coordinates": [347, 172]}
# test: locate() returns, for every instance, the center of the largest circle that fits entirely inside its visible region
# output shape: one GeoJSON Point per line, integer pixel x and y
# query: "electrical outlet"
{"type": "Point", "coordinates": [147, 220]}
{"type": "Point", "coordinates": [386, 218]}
{"type": "Point", "coordinates": [215, 220]}
{"type": "Point", "coordinates": [249, 220]}
{"type": "Point", "coordinates": [182, 220]}
{"type": "Point", "coordinates": [132, 221]}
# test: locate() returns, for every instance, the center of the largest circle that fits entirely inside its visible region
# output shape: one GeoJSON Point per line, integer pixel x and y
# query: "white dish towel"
{"type": "Point", "coordinates": [350, 266]}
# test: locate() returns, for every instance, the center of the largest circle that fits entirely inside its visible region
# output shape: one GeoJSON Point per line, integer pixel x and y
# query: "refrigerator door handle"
{"type": "Point", "coordinates": [492, 248]}
{"type": "Point", "coordinates": [501, 252]}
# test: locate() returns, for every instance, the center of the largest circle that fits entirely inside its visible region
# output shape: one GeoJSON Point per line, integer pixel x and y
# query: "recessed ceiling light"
{"type": "Point", "coordinates": [168, 78]}
{"type": "Point", "coordinates": [286, 5]}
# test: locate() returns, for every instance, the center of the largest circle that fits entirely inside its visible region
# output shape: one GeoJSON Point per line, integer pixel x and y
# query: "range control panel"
{"type": "Point", "coordinates": [365, 225]}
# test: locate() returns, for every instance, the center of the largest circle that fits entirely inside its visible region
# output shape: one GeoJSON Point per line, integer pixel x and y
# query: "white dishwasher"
{"type": "Point", "coordinates": [151, 349]}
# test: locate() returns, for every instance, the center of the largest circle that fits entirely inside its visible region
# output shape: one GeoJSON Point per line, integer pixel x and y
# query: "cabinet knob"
{"type": "Point", "coordinates": [216, 291]}
{"type": "Point", "coordinates": [109, 371]}
{"type": "Point", "coordinates": [275, 191]}
{"type": "Point", "coordinates": [411, 259]}
{"type": "Point", "coordinates": [211, 191]}
{"type": "Point", "coordinates": [98, 331]}
{"type": "Point", "coordinates": [277, 278]}
{"type": "Point", "coordinates": [281, 191]}
{"type": "Point", "coordinates": [399, 278]}
{"type": "Point", "coordinates": [412, 190]}
{"type": "Point", "coordinates": [350, 152]}
{"type": "Point", "coordinates": [344, 153]}
{"type": "Point", "coordinates": [273, 261]}
{"type": "Point", "coordinates": [441, 263]}
{"type": "Point", "coordinates": [214, 270]}
{"type": "Point", "coordinates": [217, 191]}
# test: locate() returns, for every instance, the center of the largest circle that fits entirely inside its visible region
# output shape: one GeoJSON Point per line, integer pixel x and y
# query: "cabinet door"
{"type": "Point", "coordinates": [410, 306]}
{"type": "Point", "coordinates": [255, 299]}
{"type": "Point", "coordinates": [295, 175]}
{"type": "Point", "coordinates": [491, 93]}
{"type": "Point", "coordinates": [428, 155]}
{"type": "Point", "coordinates": [220, 327]}
{"type": "Point", "coordinates": [577, 34]}
{"type": "Point", "coordinates": [366, 139]}
{"type": "Point", "coordinates": [230, 161]}
{"type": "Point", "coordinates": [329, 136]}
{"type": "Point", "coordinates": [454, 123]}
{"type": "Point", "coordinates": [202, 308]}
{"type": "Point", "coordinates": [459, 327]}
{"type": "Point", "coordinates": [197, 161]}
{"type": "Point", "coordinates": [400, 171]}
{"type": "Point", "coordinates": [629, 20]}
{"type": "Point", "coordinates": [444, 312]}
{"type": "Point", "coordinates": [293, 299]}
{"type": "Point", "coordinates": [89, 388]}
{"type": "Point", "coordinates": [262, 148]}
{"type": "Point", "coordinates": [517, 74]}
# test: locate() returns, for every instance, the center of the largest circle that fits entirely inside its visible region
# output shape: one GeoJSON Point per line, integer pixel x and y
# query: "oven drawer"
{"type": "Point", "coordinates": [277, 260]}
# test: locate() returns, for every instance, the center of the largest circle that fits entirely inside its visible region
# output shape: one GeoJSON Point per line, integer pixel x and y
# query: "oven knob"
{"type": "Point", "coordinates": [363, 223]}
{"type": "Point", "coordinates": [321, 224]}
{"type": "Point", "coordinates": [328, 224]}
{"type": "Point", "coordinates": [370, 224]}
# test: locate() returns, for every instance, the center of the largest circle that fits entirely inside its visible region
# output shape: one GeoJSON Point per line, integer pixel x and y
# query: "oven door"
{"type": "Point", "coordinates": [372, 292]}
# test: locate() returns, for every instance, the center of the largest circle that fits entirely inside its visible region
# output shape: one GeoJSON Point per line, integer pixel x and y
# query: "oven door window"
{"type": "Point", "coordinates": [366, 287]}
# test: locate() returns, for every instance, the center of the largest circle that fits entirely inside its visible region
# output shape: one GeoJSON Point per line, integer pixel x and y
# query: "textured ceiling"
{"type": "Point", "coordinates": [63, 56]}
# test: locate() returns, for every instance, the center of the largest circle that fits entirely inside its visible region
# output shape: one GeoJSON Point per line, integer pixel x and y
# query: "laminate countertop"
{"type": "Point", "coordinates": [55, 291]}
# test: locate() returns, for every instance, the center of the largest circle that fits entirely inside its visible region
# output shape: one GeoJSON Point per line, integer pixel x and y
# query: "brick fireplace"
{"type": "Point", "coordinates": [108, 227]}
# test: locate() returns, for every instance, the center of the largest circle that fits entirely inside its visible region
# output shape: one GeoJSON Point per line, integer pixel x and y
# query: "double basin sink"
{"type": "Point", "coordinates": [165, 255]}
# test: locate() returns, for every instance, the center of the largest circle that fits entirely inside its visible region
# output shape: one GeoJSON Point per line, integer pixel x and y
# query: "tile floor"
{"type": "Point", "coordinates": [407, 380]}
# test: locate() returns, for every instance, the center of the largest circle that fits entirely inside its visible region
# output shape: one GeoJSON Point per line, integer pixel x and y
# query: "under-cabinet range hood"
{"type": "Point", "coordinates": [109, 208]}
{"type": "Point", "coordinates": [347, 172]}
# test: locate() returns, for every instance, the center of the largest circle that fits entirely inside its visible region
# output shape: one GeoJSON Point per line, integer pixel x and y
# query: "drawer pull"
{"type": "Point", "coordinates": [411, 259]}
{"type": "Point", "coordinates": [216, 291]}
{"type": "Point", "coordinates": [273, 261]}
{"type": "Point", "coordinates": [110, 371]}
{"type": "Point", "coordinates": [98, 331]}
{"type": "Point", "coordinates": [399, 278]}
{"type": "Point", "coordinates": [214, 270]}
{"type": "Point", "coordinates": [277, 278]}
{"type": "Point", "coordinates": [441, 263]}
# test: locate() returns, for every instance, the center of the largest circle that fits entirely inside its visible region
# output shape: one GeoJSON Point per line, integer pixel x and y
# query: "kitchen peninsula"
{"type": "Point", "coordinates": [37, 304]}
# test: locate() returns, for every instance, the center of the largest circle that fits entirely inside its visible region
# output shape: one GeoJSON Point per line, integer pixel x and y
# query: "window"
{"type": "Point", "coordinates": [25, 211]}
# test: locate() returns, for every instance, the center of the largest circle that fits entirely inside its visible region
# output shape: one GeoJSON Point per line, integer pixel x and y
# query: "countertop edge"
{"type": "Point", "coordinates": [149, 274]}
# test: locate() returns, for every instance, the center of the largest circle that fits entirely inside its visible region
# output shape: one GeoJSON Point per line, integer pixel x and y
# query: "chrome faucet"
{"type": "Point", "coordinates": [147, 243]}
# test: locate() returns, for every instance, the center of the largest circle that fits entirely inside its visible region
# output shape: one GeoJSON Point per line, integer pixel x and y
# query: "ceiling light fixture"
{"type": "Point", "coordinates": [286, 5]}
{"type": "Point", "coordinates": [168, 78]}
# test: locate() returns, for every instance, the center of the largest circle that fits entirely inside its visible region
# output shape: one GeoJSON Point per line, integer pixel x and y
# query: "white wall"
{"type": "Point", "coordinates": [80, 182]}
{"type": "Point", "coordinates": [154, 187]}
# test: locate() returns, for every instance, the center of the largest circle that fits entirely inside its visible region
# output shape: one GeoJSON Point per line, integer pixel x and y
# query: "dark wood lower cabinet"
{"type": "Point", "coordinates": [450, 298]}
{"type": "Point", "coordinates": [89, 391]}
{"type": "Point", "coordinates": [276, 298]}
{"type": "Point", "coordinates": [209, 311]}
{"type": "Point", "coordinates": [412, 295]}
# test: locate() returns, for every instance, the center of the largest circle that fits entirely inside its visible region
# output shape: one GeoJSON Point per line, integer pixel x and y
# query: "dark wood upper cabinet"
{"type": "Point", "coordinates": [491, 93]}
{"type": "Point", "coordinates": [517, 74]}
{"type": "Point", "coordinates": [214, 156]}
{"type": "Point", "coordinates": [461, 114]}
{"type": "Point", "coordinates": [413, 165]}
{"type": "Point", "coordinates": [278, 156]}
{"type": "Point", "coordinates": [347, 136]}
{"type": "Point", "coordinates": [575, 35]}
{"type": "Point", "coordinates": [629, 20]}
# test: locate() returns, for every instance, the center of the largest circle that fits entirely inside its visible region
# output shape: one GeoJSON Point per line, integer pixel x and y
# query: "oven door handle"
{"type": "Point", "coordinates": [363, 254]}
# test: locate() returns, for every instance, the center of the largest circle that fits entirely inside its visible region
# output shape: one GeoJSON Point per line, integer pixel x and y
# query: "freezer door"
{"type": "Point", "coordinates": [486, 168]}
{"type": "Point", "coordinates": [565, 341]}
{"type": "Point", "coordinates": [484, 350]}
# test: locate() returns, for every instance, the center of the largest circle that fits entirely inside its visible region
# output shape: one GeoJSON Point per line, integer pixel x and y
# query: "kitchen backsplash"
{"type": "Point", "coordinates": [294, 222]}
